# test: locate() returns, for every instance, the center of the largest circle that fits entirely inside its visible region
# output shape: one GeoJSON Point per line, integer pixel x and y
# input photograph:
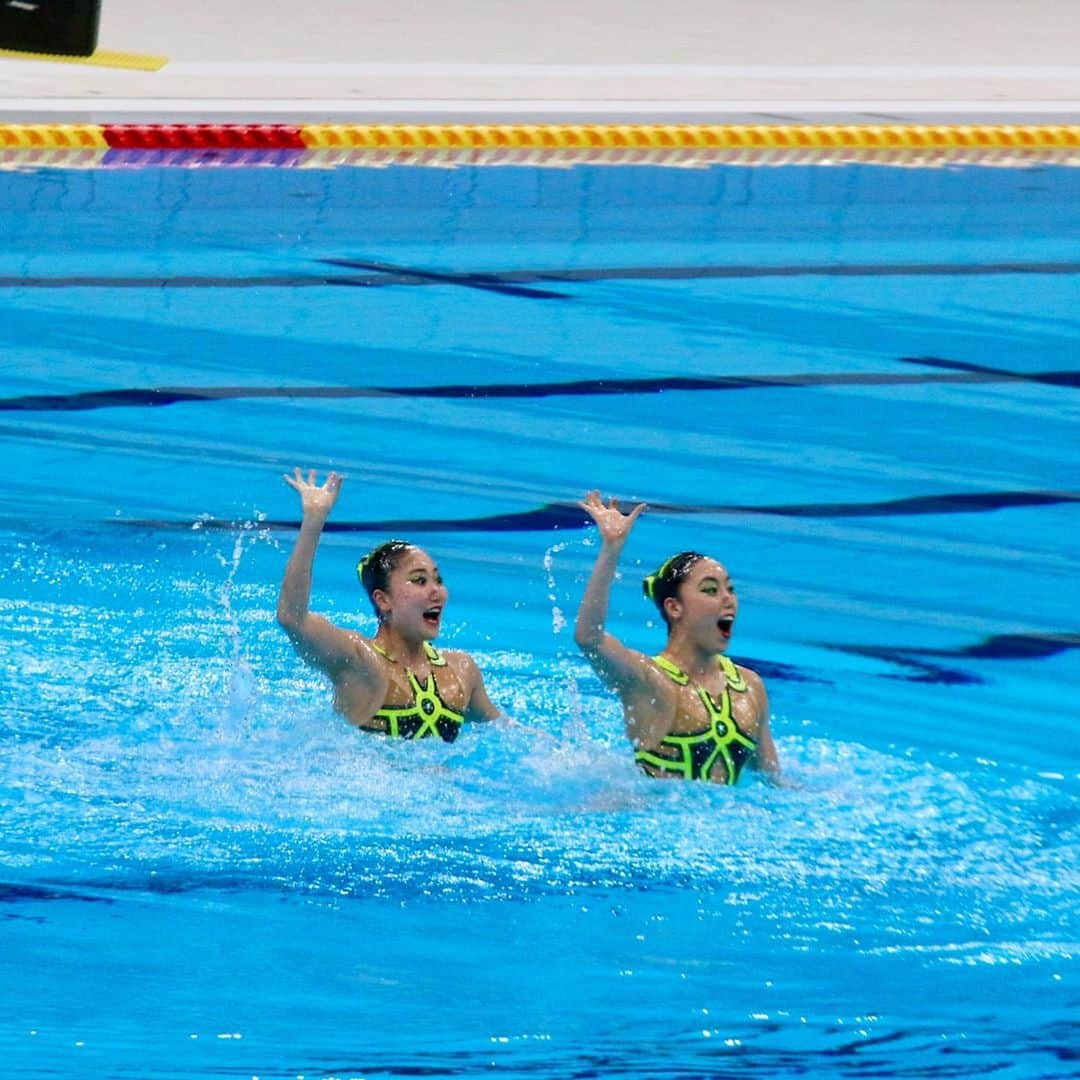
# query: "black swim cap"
{"type": "Point", "coordinates": [665, 582]}
{"type": "Point", "coordinates": [375, 568]}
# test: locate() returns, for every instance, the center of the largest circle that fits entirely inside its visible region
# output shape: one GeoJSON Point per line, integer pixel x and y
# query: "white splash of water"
{"type": "Point", "coordinates": [242, 685]}
{"type": "Point", "coordinates": [558, 619]}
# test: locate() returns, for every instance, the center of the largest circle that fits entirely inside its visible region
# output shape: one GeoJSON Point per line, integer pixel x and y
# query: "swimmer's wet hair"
{"type": "Point", "coordinates": [375, 568]}
{"type": "Point", "coordinates": [665, 582]}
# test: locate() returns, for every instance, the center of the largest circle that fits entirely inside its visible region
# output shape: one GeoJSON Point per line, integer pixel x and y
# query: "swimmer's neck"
{"type": "Point", "coordinates": [398, 649]}
{"type": "Point", "coordinates": [691, 659]}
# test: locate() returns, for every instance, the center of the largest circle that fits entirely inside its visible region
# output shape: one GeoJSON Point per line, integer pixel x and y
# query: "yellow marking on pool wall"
{"type": "Point", "coordinates": [691, 136]}
{"type": "Point", "coordinates": [52, 137]}
{"type": "Point", "coordinates": [99, 58]}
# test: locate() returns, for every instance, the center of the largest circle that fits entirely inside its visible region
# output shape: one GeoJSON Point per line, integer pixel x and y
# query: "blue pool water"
{"type": "Point", "coordinates": [857, 386]}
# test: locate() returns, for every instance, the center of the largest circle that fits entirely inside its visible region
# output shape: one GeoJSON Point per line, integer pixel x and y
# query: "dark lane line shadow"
{"type": "Point", "coordinates": [555, 516]}
{"type": "Point", "coordinates": [954, 373]}
{"type": "Point", "coordinates": [924, 665]}
{"type": "Point", "coordinates": [497, 283]}
{"type": "Point", "coordinates": [1051, 378]}
{"type": "Point", "coordinates": [16, 893]}
{"type": "Point", "coordinates": [517, 282]}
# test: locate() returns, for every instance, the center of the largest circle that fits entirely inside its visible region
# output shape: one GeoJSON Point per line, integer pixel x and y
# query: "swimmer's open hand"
{"type": "Point", "coordinates": [613, 524]}
{"type": "Point", "coordinates": [315, 498]}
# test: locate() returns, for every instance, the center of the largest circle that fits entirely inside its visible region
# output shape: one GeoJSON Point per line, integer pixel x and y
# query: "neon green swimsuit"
{"type": "Point", "coordinates": [696, 752]}
{"type": "Point", "coordinates": [427, 715]}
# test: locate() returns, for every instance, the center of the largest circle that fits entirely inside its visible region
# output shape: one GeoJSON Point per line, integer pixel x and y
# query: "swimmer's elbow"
{"type": "Point", "coordinates": [588, 638]}
{"type": "Point", "coordinates": [290, 620]}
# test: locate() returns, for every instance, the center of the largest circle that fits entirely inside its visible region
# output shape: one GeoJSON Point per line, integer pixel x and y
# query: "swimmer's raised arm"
{"type": "Point", "coordinates": [316, 639]}
{"type": "Point", "coordinates": [617, 665]}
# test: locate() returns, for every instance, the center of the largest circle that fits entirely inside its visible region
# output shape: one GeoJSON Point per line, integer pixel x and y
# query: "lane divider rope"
{"type": "Point", "coordinates": [808, 139]}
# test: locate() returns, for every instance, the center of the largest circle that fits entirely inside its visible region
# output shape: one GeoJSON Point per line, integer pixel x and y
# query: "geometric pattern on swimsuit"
{"type": "Point", "coordinates": [693, 754]}
{"type": "Point", "coordinates": [428, 715]}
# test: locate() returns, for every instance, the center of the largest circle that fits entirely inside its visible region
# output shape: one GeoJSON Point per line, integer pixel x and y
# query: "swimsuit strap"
{"type": "Point", "coordinates": [435, 658]}
{"type": "Point", "coordinates": [433, 655]}
{"type": "Point", "coordinates": [671, 670]}
{"type": "Point", "coordinates": [732, 675]}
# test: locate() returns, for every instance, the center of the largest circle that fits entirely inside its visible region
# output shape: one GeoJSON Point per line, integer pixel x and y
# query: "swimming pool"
{"type": "Point", "coordinates": [855, 385]}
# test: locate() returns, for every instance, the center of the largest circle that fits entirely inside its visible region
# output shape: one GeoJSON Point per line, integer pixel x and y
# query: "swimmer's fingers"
{"type": "Point", "coordinates": [593, 505]}
{"type": "Point", "coordinates": [315, 496]}
{"type": "Point", "coordinates": [620, 524]}
{"type": "Point", "coordinates": [296, 481]}
{"type": "Point", "coordinates": [332, 487]}
{"type": "Point", "coordinates": [610, 520]}
{"type": "Point", "coordinates": [613, 505]}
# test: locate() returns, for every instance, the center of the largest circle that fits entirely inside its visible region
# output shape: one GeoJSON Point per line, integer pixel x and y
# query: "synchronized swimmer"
{"type": "Point", "coordinates": [387, 683]}
{"type": "Point", "coordinates": [690, 712]}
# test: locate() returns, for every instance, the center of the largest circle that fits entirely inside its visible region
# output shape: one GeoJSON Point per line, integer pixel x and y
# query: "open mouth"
{"type": "Point", "coordinates": [432, 616]}
{"type": "Point", "coordinates": [725, 624]}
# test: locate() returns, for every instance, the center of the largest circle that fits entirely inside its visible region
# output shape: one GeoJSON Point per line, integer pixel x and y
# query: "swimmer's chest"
{"type": "Point", "coordinates": [691, 714]}
{"type": "Point", "coordinates": [448, 683]}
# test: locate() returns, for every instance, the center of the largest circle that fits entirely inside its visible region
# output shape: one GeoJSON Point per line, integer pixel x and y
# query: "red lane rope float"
{"type": "Point", "coordinates": [203, 136]}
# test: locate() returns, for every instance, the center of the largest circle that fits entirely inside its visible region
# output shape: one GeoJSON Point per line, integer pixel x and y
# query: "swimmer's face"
{"type": "Point", "coordinates": [414, 600]}
{"type": "Point", "coordinates": [705, 605]}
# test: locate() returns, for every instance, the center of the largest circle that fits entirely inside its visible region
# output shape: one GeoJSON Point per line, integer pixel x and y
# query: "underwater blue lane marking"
{"type": "Point", "coordinates": [188, 281]}
{"type": "Point", "coordinates": [516, 282]}
{"type": "Point", "coordinates": [681, 273]}
{"type": "Point", "coordinates": [487, 282]}
{"type": "Point", "coordinates": [774, 670]}
{"type": "Point", "coordinates": [160, 396]}
{"type": "Point", "coordinates": [13, 893]}
{"type": "Point", "coordinates": [1053, 378]}
{"type": "Point", "coordinates": [925, 663]}
{"type": "Point", "coordinates": [106, 399]}
{"type": "Point", "coordinates": [554, 516]}
{"type": "Point", "coordinates": [962, 503]}
{"type": "Point", "coordinates": [1014, 647]}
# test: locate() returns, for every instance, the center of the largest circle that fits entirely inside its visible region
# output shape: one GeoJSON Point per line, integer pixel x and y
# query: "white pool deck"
{"type": "Point", "coordinates": [568, 61]}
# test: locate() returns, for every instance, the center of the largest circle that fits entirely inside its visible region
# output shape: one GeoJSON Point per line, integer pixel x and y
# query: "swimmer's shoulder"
{"type": "Point", "coordinates": [457, 660]}
{"type": "Point", "coordinates": [755, 686]}
{"type": "Point", "coordinates": [366, 661]}
{"type": "Point", "coordinates": [650, 684]}
{"type": "Point", "coordinates": [749, 676]}
{"type": "Point", "coordinates": [363, 647]}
